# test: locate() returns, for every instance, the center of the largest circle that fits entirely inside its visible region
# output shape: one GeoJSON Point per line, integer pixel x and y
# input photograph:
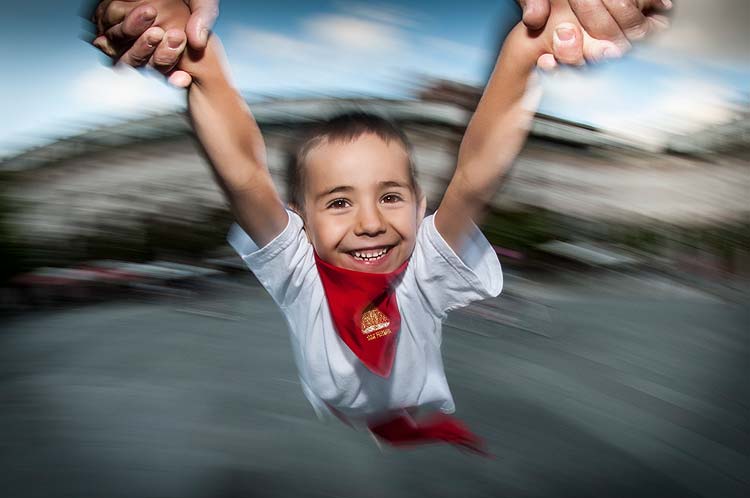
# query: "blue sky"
{"type": "Point", "coordinates": [54, 84]}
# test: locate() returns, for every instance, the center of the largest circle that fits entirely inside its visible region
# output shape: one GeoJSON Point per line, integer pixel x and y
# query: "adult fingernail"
{"type": "Point", "coordinates": [174, 41]}
{"type": "Point", "coordinates": [565, 34]}
{"type": "Point", "coordinates": [204, 35]}
{"type": "Point", "coordinates": [667, 4]}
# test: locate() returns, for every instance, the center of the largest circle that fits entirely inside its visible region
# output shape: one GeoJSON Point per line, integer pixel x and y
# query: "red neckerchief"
{"type": "Point", "coordinates": [366, 317]}
{"type": "Point", "coordinates": [365, 312]}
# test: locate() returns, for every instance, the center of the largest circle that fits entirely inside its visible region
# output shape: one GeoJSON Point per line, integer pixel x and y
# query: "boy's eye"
{"type": "Point", "coordinates": [338, 204]}
{"type": "Point", "coordinates": [391, 198]}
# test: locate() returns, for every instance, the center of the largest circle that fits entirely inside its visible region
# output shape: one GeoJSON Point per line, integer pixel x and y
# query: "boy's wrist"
{"type": "Point", "coordinates": [205, 66]}
{"type": "Point", "coordinates": [525, 47]}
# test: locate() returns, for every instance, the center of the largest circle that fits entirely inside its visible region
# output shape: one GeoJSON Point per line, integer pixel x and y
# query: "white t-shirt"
{"type": "Point", "coordinates": [436, 281]}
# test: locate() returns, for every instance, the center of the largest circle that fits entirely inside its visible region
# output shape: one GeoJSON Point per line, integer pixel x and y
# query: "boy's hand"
{"type": "Point", "coordinates": [154, 32]}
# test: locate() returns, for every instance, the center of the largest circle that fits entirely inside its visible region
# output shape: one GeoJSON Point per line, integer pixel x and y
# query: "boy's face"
{"type": "Point", "coordinates": [361, 211]}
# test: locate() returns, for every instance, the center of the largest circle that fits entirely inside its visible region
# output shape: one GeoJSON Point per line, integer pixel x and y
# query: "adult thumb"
{"type": "Point", "coordinates": [202, 18]}
{"type": "Point", "coordinates": [535, 12]}
{"type": "Point", "coordinates": [567, 44]}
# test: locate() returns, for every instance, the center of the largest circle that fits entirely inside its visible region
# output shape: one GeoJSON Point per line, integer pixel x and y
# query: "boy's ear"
{"type": "Point", "coordinates": [301, 213]}
{"type": "Point", "coordinates": [292, 206]}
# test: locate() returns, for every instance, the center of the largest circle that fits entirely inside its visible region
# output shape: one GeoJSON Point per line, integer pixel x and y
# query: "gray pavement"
{"type": "Point", "coordinates": [616, 387]}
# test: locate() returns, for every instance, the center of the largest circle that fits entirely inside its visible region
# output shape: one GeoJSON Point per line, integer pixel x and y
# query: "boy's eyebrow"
{"type": "Point", "coordinates": [393, 183]}
{"type": "Point", "coordinates": [334, 190]}
{"type": "Point", "coordinates": [347, 188]}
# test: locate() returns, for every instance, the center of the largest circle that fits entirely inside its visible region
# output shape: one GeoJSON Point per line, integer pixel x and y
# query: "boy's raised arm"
{"type": "Point", "coordinates": [233, 144]}
{"type": "Point", "coordinates": [498, 129]}
{"type": "Point", "coordinates": [493, 138]}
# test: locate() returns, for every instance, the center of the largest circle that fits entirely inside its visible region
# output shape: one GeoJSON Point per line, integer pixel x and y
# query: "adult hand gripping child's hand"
{"type": "Point", "coordinates": [608, 27]}
{"type": "Point", "coordinates": [616, 21]}
{"type": "Point", "coordinates": [154, 32]}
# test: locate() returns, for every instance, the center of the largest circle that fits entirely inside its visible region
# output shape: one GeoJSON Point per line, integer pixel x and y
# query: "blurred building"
{"type": "Point", "coordinates": [122, 177]}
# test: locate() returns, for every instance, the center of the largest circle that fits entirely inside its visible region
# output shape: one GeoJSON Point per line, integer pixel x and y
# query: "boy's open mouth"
{"type": "Point", "coordinates": [370, 255]}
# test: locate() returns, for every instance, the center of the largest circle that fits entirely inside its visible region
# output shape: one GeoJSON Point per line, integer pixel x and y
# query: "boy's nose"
{"type": "Point", "coordinates": [370, 222]}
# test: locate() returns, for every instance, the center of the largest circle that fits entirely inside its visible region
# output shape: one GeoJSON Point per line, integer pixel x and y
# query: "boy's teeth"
{"type": "Point", "coordinates": [368, 255]}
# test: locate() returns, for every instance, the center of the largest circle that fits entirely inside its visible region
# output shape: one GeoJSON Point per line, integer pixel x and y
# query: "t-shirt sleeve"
{"type": "Point", "coordinates": [285, 266]}
{"type": "Point", "coordinates": [448, 280]}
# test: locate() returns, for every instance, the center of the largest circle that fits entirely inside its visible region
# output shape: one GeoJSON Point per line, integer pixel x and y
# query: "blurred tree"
{"type": "Point", "coordinates": [12, 251]}
{"type": "Point", "coordinates": [523, 230]}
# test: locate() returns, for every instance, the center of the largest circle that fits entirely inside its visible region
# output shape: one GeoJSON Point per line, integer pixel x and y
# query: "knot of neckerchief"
{"type": "Point", "coordinates": [365, 312]}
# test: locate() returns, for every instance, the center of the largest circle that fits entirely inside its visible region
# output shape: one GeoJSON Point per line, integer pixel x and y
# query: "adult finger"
{"type": "Point", "coordinates": [658, 22]}
{"type": "Point", "coordinates": [103, 44]}
{"type": "Point", "coordinates": [168, 52]}
{"type": "Point", "coordinates": [567, 44]}
{"type": "Point", "coordinates": [202, 18]}
{"type": "Point", "coordinates": [135, 23]}
{"type": "Point", "coordinates": [96, 17]}
{"type": "Point", "coordinates": [535, 12]}
{"type": "Point", "coordinates": [143, 48]}
{"type": "Point", "coordinates": [112, 12]}
{"type": "Point", "coordinates": [629, 18]}
{"type": "Point", "coordinates": [599, 23]}
{"type": "Point", "coordinates": [599, 50]}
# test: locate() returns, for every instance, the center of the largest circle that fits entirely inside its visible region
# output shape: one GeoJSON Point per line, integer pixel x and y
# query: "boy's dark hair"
{"type": "Point", "coordinates": [341, 128]}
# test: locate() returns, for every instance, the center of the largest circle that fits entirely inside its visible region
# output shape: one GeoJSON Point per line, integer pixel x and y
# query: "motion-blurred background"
{"type": "Point", "coordinates": [139, 358]}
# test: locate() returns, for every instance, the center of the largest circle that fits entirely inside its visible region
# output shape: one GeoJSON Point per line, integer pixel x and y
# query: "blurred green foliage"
{"type": "Point", "coordinates": [12, 251]}
{"type": "Point", "coordinates": [523, 230]}
{"type": "Point", "coordinates": [157, 237]}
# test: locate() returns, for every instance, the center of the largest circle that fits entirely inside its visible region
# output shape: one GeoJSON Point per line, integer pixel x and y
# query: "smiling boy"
{"type": "Point", "coordinates": [355, 187]}
{"type": "Point", "coordinates": [363, 278]}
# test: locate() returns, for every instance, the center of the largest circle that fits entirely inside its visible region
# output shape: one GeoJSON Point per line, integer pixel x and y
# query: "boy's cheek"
{"type": "Point", "coordinates": [326, 232]}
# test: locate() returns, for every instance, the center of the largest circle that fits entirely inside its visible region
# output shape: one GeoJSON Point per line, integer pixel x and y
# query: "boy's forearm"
{"type": "Point", "coordinates": [223, 122]}
{"type": "Point", "coordinates": [493, 138]}
{"type": "Point", "coordinates": [228, 133]}
{"type": "Point", "coordinates": [234, 146]}
{"type": "Point", "coordinates": [501, 122]}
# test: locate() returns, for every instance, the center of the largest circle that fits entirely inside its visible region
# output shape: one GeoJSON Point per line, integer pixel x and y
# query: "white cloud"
{"type": "Point", "coordinates": [359, 48]}
{"type": "Point", "coordinates": [444, 46]}
{"type": "Point", "coordinates": [121, 91]}
{"type": "Point", "coordinates": [330, 51]}
{"type": "Point", "coordinates": [353, 34]}
{"type": "Point", "coordinates": [334, 43]}
{"type": "Point", "coordinates": [576, 88]}
{"type": "Point", "coordinates": [678, 106]}
{"type": "Point", "coordinates": [383, 13]}
{"type": "Point", "coordinates": [271, 45]}
{"type": "Point", "coordinates": [685, 106]}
